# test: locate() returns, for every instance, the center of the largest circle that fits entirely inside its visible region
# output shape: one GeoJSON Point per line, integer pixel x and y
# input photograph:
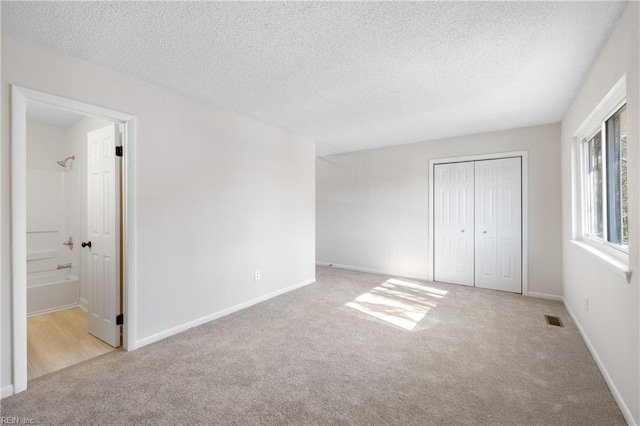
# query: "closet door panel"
{"type": "Point", "coordinates": [498, 214]}
{"type": "Point", "coordinates": [485, 227]}
{"type": "Point", "coordinates": [453, 223]}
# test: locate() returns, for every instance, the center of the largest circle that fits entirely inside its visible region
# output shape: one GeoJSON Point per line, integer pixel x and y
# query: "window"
{"type": "Point", "coordinates": [605, 207]}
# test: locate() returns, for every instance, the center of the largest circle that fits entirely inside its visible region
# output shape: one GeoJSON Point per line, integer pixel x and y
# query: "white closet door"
{"type": "Point", "coordinates": [498, 224]}
{"type": "Point", "coordinates": [453, 223]}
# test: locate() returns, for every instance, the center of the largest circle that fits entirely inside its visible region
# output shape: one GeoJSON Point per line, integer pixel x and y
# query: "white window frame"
{"type": "Point", "coordinates": [616, 254]}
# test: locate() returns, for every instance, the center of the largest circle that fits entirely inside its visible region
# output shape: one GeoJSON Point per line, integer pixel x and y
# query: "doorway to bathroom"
{"type": "Point", "coordinates": [73, 237]}
{"type": "Point", "coordinates": [72, 234]}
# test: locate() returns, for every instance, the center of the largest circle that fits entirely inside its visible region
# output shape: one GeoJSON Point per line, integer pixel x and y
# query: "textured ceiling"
{"type": "Point", "coordinates": [351, 75]}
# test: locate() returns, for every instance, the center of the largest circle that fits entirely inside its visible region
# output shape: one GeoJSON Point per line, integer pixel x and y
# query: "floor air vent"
{"type": "Point", "coordinates": [551, 320]}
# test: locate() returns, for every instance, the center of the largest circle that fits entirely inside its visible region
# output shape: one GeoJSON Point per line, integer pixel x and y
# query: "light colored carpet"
{"type": "Point", "coordinates": [469, 356]}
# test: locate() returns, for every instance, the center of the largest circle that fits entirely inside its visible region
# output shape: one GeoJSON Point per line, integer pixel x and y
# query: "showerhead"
{"type": "Point", "coordinates": [63, 163]}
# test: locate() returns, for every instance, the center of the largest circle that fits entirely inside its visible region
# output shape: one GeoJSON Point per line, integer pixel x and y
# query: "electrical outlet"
{"type": "Point", "coordinates": [586, 304]}
{"type": "Point", "coordinates": [392, 255]}
{"type": "Point", "coordinates": [257, 275]}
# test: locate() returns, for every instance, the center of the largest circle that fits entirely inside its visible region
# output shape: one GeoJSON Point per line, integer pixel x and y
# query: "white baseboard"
{"type": "Point", "coordinates": [6, 391]}
{"type": "Point", "coordinates": [175, 330]}
{"type": "Point", "coordinates": [372, 271]}
{"type": "Point", "coordinates": [50, 311]}
{"type": "Point", "coordinates": [381, 272]}
{"type": "Point", "coordinates": [84, 304]}
{"type": "Point", "coordinates": [545, 296]}
{"type": "Point", "coordinates": [607, 378]}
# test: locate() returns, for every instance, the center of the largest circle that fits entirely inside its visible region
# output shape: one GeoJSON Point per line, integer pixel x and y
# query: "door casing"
{"type": "Point", "coordinates": [525, 206]}
{"type": "Point", "coordinates": [19, 97]}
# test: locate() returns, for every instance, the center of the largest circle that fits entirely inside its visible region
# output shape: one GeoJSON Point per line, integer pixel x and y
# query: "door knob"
{"type": "Point", "coordinates": [462, 230]}
{"type": "Point", "coordinates": [87, 244]}
{"type": "Point", "coordinates": [484, 232]}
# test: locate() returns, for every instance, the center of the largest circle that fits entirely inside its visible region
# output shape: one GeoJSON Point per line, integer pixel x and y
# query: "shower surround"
{"type": "Point", "coordinates": [53, 204]}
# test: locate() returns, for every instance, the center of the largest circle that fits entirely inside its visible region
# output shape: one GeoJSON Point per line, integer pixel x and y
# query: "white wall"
{"type": "Point", "coordinates": [611, 324]}
{"type": "Point", "coordinates": [372, 202]}
{"type": "Point", "coordinates": [219, 196]}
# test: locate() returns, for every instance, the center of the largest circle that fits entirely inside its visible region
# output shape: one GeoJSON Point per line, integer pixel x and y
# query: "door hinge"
{"type": "Point", "coordinates": [120, 319]}
{"type": "Point", "coordinates": [118, 151]}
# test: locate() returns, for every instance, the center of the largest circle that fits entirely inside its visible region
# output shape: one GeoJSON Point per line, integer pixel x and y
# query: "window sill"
{"type": "Point", "coordinates": [618, 265]}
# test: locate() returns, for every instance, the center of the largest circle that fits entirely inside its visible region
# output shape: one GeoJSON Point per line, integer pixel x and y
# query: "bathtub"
{"type": "Point", "coordinates": [51, 291]}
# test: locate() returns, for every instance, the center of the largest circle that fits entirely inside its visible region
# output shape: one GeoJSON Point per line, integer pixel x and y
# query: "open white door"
{"type": "Point", "coordinates": [103, 223]}
{"type": "Point", "coordinates": [453, 223]}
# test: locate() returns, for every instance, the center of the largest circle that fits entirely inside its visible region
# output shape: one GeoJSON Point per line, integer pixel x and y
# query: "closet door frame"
{"type": "Point", "coordinates": [525, 206]}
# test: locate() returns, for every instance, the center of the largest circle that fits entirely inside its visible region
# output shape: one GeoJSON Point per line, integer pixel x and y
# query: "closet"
{"type": "Point", "coordinates": [478, 223]}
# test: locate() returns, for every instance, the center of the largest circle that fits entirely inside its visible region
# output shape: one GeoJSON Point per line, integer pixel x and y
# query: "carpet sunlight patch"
{"type": "Point", "coordinates": [398, 301]}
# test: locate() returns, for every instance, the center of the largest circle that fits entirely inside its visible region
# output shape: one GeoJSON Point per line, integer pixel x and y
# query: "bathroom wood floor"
{"type": "Point", "coordinates": [58, 340]}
